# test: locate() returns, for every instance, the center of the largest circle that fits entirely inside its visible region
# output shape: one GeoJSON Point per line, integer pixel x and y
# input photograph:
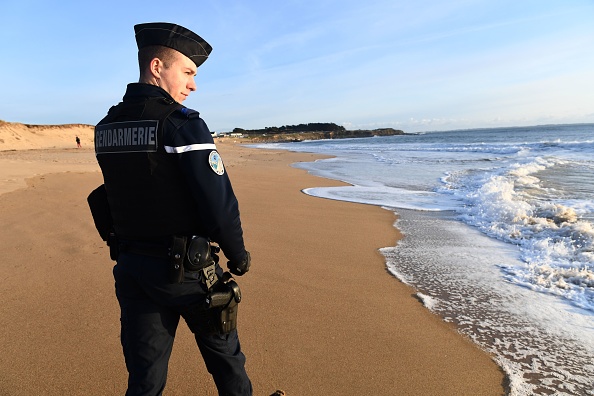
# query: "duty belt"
{"type": "Point", "coordinates": [144, 249]}
{"type": "Point", "coordinates": [194, 254]}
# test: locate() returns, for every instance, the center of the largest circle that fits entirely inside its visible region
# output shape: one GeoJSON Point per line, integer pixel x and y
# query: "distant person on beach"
{"type": "Point", "coordinates": [78, 142]}
{"type": "Point", "coordinates": [168, 197]}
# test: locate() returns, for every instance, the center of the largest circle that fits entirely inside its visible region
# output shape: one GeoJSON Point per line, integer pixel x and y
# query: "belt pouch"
{"type": "Point", "coordinates": [176, 257]}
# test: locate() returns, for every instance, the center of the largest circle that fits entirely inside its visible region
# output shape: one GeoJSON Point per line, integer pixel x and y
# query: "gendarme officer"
{"type": "Point", "coordinates": [166, 197]}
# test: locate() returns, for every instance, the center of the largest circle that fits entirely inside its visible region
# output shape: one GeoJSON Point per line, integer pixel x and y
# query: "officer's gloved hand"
{"type": "Point", "coordinates": [240, 268]}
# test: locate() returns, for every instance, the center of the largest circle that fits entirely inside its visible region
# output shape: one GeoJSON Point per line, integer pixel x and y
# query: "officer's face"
{"type": "Point", "coordinates": [178, 79]}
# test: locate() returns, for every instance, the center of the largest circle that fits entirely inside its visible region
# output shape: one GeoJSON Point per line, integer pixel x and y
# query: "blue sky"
{"type": "Point", "coordinates": [417, 66]}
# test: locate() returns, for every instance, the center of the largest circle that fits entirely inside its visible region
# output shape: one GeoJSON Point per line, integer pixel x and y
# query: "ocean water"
{"type": "Point", "coordinates": [498, 231]}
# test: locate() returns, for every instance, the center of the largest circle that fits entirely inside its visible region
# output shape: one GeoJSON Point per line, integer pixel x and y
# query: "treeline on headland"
{"type": "Point", "coordinates": [311, 131]}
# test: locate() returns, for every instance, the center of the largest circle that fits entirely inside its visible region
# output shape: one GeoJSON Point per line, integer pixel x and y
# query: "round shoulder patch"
{"type": "Point", "coordinates": [216, 163]}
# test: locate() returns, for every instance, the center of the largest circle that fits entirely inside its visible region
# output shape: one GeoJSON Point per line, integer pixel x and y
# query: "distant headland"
{"type": "Point", "coordinates": [311, 131]}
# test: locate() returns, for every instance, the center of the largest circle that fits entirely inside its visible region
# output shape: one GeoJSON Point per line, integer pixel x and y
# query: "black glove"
{"type": "Point", "coordinates": [240, 268]}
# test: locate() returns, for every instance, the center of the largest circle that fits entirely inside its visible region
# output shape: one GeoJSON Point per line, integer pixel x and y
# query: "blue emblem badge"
{"type": "Point", "coordinates": [216, 163]}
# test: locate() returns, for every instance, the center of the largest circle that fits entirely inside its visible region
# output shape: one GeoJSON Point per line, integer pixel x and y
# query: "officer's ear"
{"type": "Point", "coordinates": [155, 67]}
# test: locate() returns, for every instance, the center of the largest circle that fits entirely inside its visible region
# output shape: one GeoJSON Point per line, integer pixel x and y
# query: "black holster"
{"type": "Point", "coordinates": [223, 300]}
{"type": "Point", "coordinates": [218, 314]}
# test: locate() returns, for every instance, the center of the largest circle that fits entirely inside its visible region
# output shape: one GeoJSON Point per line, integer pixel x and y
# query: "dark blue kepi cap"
{"type": "Point", "coordinates": [173, 36]}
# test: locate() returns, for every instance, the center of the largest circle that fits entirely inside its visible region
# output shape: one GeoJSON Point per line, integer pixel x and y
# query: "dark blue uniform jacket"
{"type": "Point", "coordinates": [162, 173]}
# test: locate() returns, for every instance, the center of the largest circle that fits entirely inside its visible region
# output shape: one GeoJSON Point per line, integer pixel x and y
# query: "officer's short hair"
{"type": "Point", "coordinates": [147, 54]}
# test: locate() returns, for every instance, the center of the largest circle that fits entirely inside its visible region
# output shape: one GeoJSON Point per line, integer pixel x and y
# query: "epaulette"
{"type": "Point", "coordinates": [188, 113]}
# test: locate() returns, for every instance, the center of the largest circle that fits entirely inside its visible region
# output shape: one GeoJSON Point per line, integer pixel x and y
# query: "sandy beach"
{"type": "Point", "coordinates": [320, 314]}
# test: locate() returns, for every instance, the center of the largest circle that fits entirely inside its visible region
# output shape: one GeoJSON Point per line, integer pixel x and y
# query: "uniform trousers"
{"type": "Point", "coordinates": [151, 308]}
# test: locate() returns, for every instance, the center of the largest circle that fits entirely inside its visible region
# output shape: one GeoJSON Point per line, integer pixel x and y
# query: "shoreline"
{"type": "Point", "coordinates": [321, 315]}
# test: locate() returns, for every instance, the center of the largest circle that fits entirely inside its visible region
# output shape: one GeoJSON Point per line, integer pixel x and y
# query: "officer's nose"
{"type": "Point", "coordinates": [192, 85]}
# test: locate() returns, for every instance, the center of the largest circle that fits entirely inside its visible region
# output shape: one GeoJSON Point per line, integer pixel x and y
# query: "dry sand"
{"type": "Point", "coordinates": [17, 136]}
{"type": "Point", "coordinates": [320, 315]}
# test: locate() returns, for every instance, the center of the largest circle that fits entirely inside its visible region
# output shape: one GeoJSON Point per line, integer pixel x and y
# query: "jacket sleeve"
{"type": "Point", "coordinates": [190, 140]}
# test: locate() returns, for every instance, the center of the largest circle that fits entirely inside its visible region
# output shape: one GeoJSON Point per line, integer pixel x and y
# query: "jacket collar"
{"type": "Point", "coordinates": [141, 91]}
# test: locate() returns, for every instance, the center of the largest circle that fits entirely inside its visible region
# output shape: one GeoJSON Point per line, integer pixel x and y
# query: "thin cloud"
{"type": "Point", "coordinates": [427, 64]}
